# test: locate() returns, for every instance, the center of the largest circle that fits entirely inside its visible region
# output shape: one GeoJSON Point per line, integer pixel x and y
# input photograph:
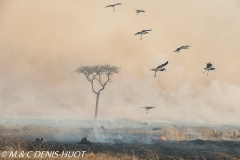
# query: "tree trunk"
{"type": "Point", "coordinates": [96, 109]}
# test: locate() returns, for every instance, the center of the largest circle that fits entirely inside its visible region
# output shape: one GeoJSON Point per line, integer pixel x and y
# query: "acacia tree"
{"type": "Point", "coordinates": [97, 73]}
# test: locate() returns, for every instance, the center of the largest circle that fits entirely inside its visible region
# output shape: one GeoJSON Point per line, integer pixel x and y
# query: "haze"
{"type": "Point", "coordinates": [43, 42]}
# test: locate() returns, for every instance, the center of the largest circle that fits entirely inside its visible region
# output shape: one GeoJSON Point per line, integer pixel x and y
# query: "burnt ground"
{"type": "Point", "coordinates": [181, 141]}
{"type": "Point", "coordinates": [201, 149]}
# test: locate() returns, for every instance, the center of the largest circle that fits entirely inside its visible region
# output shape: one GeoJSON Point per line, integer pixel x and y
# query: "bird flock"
{"type": "Point", "coordinates": [161, 67]}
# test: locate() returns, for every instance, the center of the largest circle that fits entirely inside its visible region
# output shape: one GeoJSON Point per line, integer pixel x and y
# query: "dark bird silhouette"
{"type": "Point", "coordinates": [148, 107]}
{"type": "Point", "coordinates": [159, 68]}
{"type": "Point", "coordinates": [180, 48]}
{"type": "Point", "coordinates": [139, 11]}
{"type": "Point", "coordinates": [209, 68]}
{"type": "Point", "coordinates": [113, 5]}
{"type": "Point", "coordinates": [143, 32]}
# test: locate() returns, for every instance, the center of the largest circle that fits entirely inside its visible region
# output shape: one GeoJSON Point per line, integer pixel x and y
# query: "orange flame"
{"type": "Point", "coordinates": [163, 138]}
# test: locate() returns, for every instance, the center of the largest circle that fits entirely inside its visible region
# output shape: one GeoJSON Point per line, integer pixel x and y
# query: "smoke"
{"type": "Point", "coordinates": [43, 42]}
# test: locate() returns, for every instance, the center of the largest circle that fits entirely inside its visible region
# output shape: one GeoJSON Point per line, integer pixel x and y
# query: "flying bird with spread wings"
{"type": "Point", "coordinates": [143, 32]}
{"type": "Point", "coordinates": [180, 48]}
{"type": "Point", "coordinates": [139, 11]}
{"type": "Point", "coordinates": [159, 68]}
{"type": "Point", "coordinates": [209, 68]}
{"type": "Point", "coordinates": [148, 107]}
{"type": "Point", "coordinates": [113, 5]}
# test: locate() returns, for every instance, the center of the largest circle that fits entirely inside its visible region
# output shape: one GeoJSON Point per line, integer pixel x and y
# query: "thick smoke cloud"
{"type": "Point", "coordinates": [43, 42]}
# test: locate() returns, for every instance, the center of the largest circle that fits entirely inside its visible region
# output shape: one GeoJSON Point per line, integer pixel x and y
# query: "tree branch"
{"type": "Point", "coordinates": [92, 84]}
{"type": "Point", "coordinates": [103, 86]}
{"type": "Point", "coordinates": [100, 81]}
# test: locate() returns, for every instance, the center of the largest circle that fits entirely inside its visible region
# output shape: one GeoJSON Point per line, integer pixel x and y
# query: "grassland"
{"type": "Point", "coordinates": [179, 142]}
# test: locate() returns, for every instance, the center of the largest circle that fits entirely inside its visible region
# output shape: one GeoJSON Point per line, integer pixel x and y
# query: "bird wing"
{"type": "Point", "coordinates": [178, 49]}
{"type": "Point", "coordinates": [182, 47]}
{"type": "Point", "coordinates": [146, 30]}
{"type": "Point", "coordinates": [138, 33]}
{"type": "Point", "coordinates": [162, 65]}
{"type": "Point", "coordinates": [185, 47]}
{"type": "Point", "coordinates": [117, 4]}
{"type": "Point", "coordinates": [109, 6]}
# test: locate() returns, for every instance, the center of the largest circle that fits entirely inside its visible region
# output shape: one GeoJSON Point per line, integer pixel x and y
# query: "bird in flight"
{"type": "Point", "coordinates": [148, 107]}
{"type": "Point", "coordinates": [113, 5]}
{"type": "Point", "coordinates": [209, 68]}
{"type": "Point", "coordinates": [159, 68]}
{"type": "Point", "coordinates": [139, 11]}
{"type": "Point", "coordinates": [143, 32]}
{"type": "Point", "coordinates": [180, 48]}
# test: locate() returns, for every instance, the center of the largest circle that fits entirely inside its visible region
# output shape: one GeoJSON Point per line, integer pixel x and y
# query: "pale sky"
{"type": "Point", "coordinates": [43, 42]}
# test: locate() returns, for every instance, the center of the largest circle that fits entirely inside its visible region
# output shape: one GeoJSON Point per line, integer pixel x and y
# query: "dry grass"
{"type": "Point", "coordinates": [11, 139]}
{"type": "Point", "coordinates": [8, 143]}
{"type": "Point", "coordinates": [111, 156]}
{"type": "Point", "coordinates": [87, 156]}
{"type": "Point", "coordinates": [171, 132]}
{"type": "Point", "coordinates": [117, 156]}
